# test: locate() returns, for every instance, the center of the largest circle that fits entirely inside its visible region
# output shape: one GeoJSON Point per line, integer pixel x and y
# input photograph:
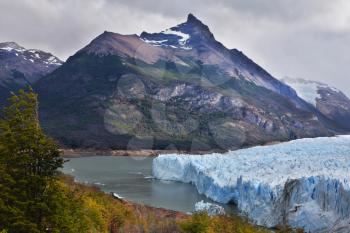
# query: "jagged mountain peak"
{"type": "Point", "coordinates": [191, 17]}
{"type": "Point", "coordinates": [194, 22]}
{"type": "Point", "coordinates": [184, 36]}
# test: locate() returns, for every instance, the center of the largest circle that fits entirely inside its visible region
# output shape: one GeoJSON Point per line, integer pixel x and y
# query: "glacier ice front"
{"type": "Point", "coordinates": [303, 183]}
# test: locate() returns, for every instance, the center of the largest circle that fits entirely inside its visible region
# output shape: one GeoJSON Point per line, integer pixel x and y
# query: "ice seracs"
{"type": "Point", "coordinates": [210, 208]}
{"type": "Point", "coordinates": [303, 183]}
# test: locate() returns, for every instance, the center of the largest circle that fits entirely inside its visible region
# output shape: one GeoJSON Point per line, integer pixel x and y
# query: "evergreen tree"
{"type": "Point", "coordinates": [28, 169]}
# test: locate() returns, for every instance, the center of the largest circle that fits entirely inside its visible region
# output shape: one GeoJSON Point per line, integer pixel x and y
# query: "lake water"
{"type": "Point", "coordinates": [131, 178]}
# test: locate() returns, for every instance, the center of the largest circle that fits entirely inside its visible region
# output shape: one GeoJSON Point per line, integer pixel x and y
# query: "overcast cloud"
{"type": "Point", "coordinates": [296, 38]}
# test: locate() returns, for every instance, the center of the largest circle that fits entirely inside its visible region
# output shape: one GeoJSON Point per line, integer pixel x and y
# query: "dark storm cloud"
{"type": "Point", "coordinates": [298, 38]}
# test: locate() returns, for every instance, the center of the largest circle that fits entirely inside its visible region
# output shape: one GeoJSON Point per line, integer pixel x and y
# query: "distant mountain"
{"type": "Point", "coordinates": [20, 67]}
{"type": "Point", "coordinates": [330, 101]}
{"type": "Point", "coordinates": [179, 88]}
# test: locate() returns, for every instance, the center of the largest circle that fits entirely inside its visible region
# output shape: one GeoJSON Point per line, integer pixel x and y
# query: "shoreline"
{"type": "Point", "coordinates": [78, 153]}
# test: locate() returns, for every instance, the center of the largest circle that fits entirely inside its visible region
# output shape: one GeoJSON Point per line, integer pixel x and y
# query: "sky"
{"type": "Point", "coordinates": [307, 39]}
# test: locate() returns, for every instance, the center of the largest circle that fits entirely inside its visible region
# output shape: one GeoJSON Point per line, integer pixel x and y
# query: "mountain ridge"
{"type": "Point", "coordinates": [233, 58]}
{"type": "Point", "coordinates": [170, 90]}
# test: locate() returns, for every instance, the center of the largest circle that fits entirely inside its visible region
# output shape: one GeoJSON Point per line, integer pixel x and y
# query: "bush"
{"type": "Point", "coordinates": [197, 223]}
{"type": "Point", "coordinates": [202, 223]}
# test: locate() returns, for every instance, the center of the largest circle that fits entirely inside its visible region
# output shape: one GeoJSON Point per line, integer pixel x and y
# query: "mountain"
{"type": "Point", "coordinates": [330, 101]}
{"type": "Point", "coordinates": [20, 67]}
{"type": "Point", "coordinates": [198, 42]}
{"type": "Point", "coordinates": [177, 89]}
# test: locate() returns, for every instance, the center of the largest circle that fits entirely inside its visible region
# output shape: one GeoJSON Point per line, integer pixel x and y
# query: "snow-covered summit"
{"type": "Point", "coordinates": [9, 46]}
{"type": "Point", "coordinates": [305, 183]}
{"type": "Point", "coordinates": [30, 55]}
{"type": "Point", "coordinates": [171, 38]}
{"type": "Point", "coordinates": [183, 36]}
{"type": "Point", "coordinates": [20, 67]}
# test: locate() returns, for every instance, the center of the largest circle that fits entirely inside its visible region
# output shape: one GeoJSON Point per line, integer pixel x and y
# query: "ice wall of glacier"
{"type": "Point", "coordinates": [303, 183]}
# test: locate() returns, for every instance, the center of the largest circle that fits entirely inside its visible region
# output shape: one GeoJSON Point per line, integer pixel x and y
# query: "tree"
{"type": "Point", "coordinates": [28, 168]}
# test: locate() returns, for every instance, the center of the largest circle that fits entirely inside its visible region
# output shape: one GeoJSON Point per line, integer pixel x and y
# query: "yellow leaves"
{"type": "Point", "coordinates": [94, 212]}
{"type": "Point", "coordinates": [202, 223]}
{"type": "Point", "coordinates": [100, 212]}
{"type": "Point", "coordinates": [197, 223]}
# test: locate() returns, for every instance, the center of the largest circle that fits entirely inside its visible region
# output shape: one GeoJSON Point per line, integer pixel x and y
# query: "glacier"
{"type": "Point", "coordinates": [303, 183]}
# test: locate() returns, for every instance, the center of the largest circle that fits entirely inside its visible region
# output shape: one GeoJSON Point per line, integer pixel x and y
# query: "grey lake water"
{"type": "Point", "coordinates": [131, 178]}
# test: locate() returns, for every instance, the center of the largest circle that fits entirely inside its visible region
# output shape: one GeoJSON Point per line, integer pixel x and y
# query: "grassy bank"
{"type": "Point", "coordinates": [99, 212]}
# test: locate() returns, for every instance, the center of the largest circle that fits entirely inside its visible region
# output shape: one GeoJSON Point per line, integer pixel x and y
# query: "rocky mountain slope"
{"type": "Point", "coordinates": [20, 67]}
{"type": "Point", "coordinates": [177, 89]}
{"type": "Point", "coordinates": [330, 101]}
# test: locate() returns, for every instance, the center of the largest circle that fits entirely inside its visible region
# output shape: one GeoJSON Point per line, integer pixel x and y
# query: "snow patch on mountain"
{"type": "Point", "coordinates": [155, 42]}
{"type": "Point", "coordinates": [7, 48]}
{"type": "Point", "coordinates": [307, 89]}
{"type": "Point", "coordinates": [53, 61]}
{"type": "Point", "coordinates": [304, 183]}
{"type": "Point", "coordinates": [183, 37]}
{"type": "Point", "coordinates": [171, 38]}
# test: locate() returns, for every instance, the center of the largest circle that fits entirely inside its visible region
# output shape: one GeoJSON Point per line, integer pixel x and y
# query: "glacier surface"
{"type": "Point", "coordinates": [303, 183]}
